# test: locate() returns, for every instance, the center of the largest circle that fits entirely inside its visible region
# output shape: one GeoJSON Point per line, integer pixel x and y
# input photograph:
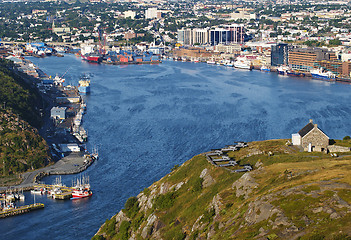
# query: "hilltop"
{"type": "Point", "coordinates": [21, 146]}
{"type": "Point", "coordinates": [289, 194]}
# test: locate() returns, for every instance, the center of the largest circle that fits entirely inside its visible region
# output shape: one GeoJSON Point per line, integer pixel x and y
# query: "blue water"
{"type": "Point", "coordinates": [145, 119]}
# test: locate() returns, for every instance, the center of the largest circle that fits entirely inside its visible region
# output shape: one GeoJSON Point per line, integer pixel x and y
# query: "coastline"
{"type": "Point", "coordinates": [69, 163]}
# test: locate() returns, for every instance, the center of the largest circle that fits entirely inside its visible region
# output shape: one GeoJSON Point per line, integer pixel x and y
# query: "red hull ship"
{"type": "Point", "coordinates": [92, 58]}
{"type": "Point", "coordinates": [81, 189]}
{"type": "Point", "coordinates": [81, 193]}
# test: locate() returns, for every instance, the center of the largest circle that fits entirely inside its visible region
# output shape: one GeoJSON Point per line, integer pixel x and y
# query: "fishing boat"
{"type": "Point", "coordinates": [80, 192]}
{"type": "Point", "coordinates": [81, 188]}
{"type": "Point", "coordinates": [38, 191]}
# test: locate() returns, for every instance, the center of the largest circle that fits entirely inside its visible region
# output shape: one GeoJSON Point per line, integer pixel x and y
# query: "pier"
{"type": "Point", "coordinates": [20, 210]}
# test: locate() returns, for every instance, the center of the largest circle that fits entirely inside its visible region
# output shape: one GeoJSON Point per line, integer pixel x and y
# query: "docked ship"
{"type": "Point", "coordinates": [243, 63]}
{"type": "Point", "coordinates": [92, 58]}
{"type": "Point", "coordinates": [265, 68]}
{"type": "Point", "coordinates": [81, 189]}
{"type": "Point", "coordinates": [321, 74]}
{"type": "Point", "coordinates": [84, 86]}
{"type": "Point", "coordinates": [283, 70]}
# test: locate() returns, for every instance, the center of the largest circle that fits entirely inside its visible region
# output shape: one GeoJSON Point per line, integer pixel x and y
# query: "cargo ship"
{"type": "Point", "coordinates": [94, 58]}
{"type": "Point", "coordinates": [321, 74]}
{"type": "Point", "coordinates": [84, 86]}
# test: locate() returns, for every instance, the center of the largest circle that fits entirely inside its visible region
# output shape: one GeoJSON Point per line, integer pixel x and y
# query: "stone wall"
{"type": "Point", "coordinates": [335, 148]}
{"type": "Point", "coordinates": [316, 137]}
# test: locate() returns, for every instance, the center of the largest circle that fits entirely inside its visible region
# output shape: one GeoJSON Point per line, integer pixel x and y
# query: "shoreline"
{"type": "Point", "coordinates": [70, 162]}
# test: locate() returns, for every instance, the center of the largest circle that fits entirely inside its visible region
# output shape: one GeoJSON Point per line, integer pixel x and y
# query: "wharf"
{"type": "Point", "coordinates": [65, 194]}
{"type": "Point", "coordinates": [21, 210]}
{"type": "Point", "coordinates": [132, 63]}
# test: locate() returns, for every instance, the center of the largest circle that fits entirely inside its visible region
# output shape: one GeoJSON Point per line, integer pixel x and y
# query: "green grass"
{"type": "Point", "coordinates": [345, 195]}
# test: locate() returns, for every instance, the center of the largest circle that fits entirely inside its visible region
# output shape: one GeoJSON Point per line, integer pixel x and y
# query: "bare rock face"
{"type": "Point", "coordinates": [164, 188]}
{"type": "Point", "coordinates": [208, 180]}
{"type": "Point", "coordinates": [244, 185]}
{"type": "Point", "coordinates": [216, 204]}
{"type": "Point", "coordinates": [149, 225]}
{"type": "Point", "coordinates": [120, 217]}
{"type": "Point", "coordinates": [177, 186]}
{"type": "Point", "coordinates": [258, 211]}
{"type": "Point", "coordinates": [146, 202]}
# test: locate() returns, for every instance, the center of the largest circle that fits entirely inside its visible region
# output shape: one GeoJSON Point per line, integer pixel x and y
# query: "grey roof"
{"type": "Point", "coordinates": [306, 129]}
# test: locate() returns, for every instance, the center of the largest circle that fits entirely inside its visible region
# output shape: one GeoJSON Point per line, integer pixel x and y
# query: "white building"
{"type": "Point", "coordinates": [130, 14]}
{"type": "Point", "coordinates": [151, 13]}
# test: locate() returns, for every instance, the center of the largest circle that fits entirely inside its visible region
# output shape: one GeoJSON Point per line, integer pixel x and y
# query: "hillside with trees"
{"type": "Point", "coordinates": [21, 147]}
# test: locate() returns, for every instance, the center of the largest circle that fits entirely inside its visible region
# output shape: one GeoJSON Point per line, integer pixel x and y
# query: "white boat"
{"type": "Point", "coordinates": [243, 63]}
{"type": "Point", "coordinates": [52, 193]}
{"type": "Point", "coordinates": [321, 74]}
{"type": "Point", "coordinates": [211, 62]}
{"type": "Point", "coordinates": [38, 191]}
{"type": "Point", "coordinates": [228, 63]}
{"type": "Point", "coordinates": [282, 70]}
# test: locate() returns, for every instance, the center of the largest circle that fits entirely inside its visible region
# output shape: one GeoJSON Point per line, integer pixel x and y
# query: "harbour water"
{"type": "Point", "coordinates": [147, 118]}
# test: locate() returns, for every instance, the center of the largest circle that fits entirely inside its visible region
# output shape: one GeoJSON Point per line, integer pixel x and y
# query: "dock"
{"type": "Point", "coordinates": [20, 210]}
{"type": "Point", "coordinates": [63, 196]}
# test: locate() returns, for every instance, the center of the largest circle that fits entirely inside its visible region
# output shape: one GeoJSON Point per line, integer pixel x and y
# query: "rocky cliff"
{"type": "Point", "coordinates": [288, 195]}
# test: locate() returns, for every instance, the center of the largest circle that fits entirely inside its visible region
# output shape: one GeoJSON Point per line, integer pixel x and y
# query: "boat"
{"type": "Point", "coordinates": [321, 74]}
{"type": "Point", "coordinates": [211, 62]}
{"type": "Point", "coordinates": [92, 58]}
{"type": "Point", "coordinates": [52, 193]}
{"type": "Point", "coordinates": [84, 86]}
{"type": "Point", "coordinates": [265, 68]}
{"type": "Point", "coordinates": [228, 63]}
{"type": "Point", "coordinates": [81, 188]}
{"type": "Point", "coordinates": [282, 70]}
{"type": "Point", "coordinates": [294, 73]}
{"type": "Point", "coordinates": [242, 63]}
{"type": "Point", "coordinates": [80, 192]}
{"type": "Point", "coordinates": [38, 191]}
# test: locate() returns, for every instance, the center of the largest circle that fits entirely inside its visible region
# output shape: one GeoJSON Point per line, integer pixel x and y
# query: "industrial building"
{"type": "Point", "coordinates": [58, 112]}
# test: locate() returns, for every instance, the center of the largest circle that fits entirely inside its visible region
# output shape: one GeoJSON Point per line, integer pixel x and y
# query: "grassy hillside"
{"type": "Point", "coordinates": [21, 147]}
{"type": "Point", "coordinates": [288, 195]}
